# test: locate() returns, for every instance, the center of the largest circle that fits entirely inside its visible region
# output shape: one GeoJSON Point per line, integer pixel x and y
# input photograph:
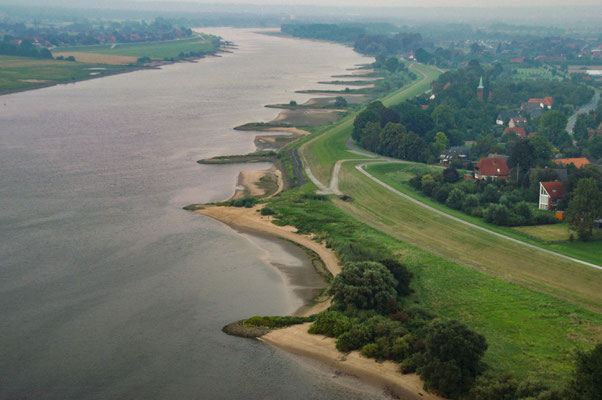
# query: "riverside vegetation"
{"type": "Point", "coordinates": [457, 327]}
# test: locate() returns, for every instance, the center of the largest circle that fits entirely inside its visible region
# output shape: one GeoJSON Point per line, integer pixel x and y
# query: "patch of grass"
{"type": "Point", "coordinates": [15, 72]}
{"type": "Point", "coordinates": [154, 50]}
{"type": "Point", "coordinates": [547, 233]}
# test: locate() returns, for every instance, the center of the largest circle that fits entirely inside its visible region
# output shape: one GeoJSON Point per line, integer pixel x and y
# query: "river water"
{"type": "Point", "coordinates": [108, 289]}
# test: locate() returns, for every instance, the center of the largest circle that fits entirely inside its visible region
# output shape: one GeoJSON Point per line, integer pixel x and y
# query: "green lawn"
{"type": "Point", "coordinates": [155, 50]}
{"type": "Point", "coordinates": [397, 176]}
{"type": "Point", "coordinates": [15, 72]}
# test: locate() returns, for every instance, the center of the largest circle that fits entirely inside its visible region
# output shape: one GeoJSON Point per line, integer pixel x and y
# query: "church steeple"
{"type": "Point", "coordinates": [480, 89]}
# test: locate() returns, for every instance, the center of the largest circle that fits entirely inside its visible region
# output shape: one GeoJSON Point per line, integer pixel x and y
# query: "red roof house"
{"type": "Point", "coordinates": [546, 102]}
{"type": "Point", "coordinates": [518, 131]}
{"type": "Point", "coordinates": [517, 121]}
{"type": "Point", "coordinates": [531, 134]}
{"type": "Point", "coordinates": [579, 162]}
{"type": "Point", "coordinates": [550, 193]}
{"type": "Point", "coordinates": [594, 132]}
{"type": "Point", "coordinates": [517, 60]}
{"type": "Point", "coordinates": [491, 168]}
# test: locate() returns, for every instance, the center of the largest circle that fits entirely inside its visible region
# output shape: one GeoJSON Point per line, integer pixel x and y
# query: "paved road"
{"type": "Point", "coordinates": [582, 110]}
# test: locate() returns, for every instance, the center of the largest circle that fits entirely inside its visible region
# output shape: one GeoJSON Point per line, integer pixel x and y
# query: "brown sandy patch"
{"type": "Point", "coordinates": [250, 219]}
{"type": "Point", "coordinates": [296, 340]}
{"type": "Point", "coordinates": [251, 183]}
{"type": "Point", "coordinates": [308, 117]}
{"type": "Point", "coordinates": [97, 58]}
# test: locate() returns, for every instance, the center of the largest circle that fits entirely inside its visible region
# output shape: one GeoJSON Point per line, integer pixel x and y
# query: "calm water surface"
{"type": "Point", "coordinates": [108, 290]}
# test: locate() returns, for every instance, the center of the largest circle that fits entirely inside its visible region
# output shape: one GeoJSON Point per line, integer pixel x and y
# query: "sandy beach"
{"type": "Point", "coordinates": [296, 340]}
{"type": "Point", "coordinates": [249, 183]}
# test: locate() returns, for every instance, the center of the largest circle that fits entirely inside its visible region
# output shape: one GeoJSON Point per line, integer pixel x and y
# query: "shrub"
{"type": "Point", "coordinates": [402, 275]}
{"type": "Point", "coordinates": [470, 202]}
{"type": "Point", "coordinates": [410, 364]}
{"type": "Point", "coordinates": [523, 210]}
{"type": "Point", "coordinates": [441, 194]}
{"type": "Point", "coordinates": [370, 350]}
{"type": "Point", "coordinates": [365, 285]}
{"type": "Point", "coordinates": [354, 339]}
{"type": "Point", "coordinates": [455, 199]}
{"type": "Point", "coordinates": [427, 183]}
{"type": "Point", "coordinates": [416, 182]}
{"type": "Point", "coordinates": [267, 211]}
{"type": "Point", "coordinates": [331, 323]}
{"type": "Point", "coordinates": [452, 359]}
{"type": "Point", "coordinates": [451, 175]}
{"type": "Point", "coordinates": [494, 387]}
{"type": "Point", "coordinates": [497, 214]}
{"type": "Point", "coordinates": [276, 322]}
{"type": "Point", "coordinates": [586, 382]}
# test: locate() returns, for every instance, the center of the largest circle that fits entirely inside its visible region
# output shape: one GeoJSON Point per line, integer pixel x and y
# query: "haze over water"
{"type": "Point", "coordinates": [108, 289]}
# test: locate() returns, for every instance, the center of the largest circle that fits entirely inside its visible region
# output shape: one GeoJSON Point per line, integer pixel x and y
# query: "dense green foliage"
{"type": "Point", "coordinates": [276, 322]}
{"type": "Point", "coordinates": [586, 383]}
{"type": "Point", "coordinates": [24, 49]}
{"type": "Point", "coordinates": [585, 207]}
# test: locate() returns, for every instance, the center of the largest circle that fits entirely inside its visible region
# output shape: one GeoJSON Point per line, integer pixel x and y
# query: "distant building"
{"type": "Point", "coordinates": [480, 89]}
{"type": "Point", "coordinates": [546, 102]}
{"type": "Point", "coordinates": [531, 134]}
{"type": "Point", "coordinates": [578, 162]}
{"type": "Point", "coordinates": [517, 121]}
{"type": "Point", "coordinates": [517, 60]}
{"type": "Point", "coordinates": [491, 168]}
{"type": "Point", "coordinates": [504, 117]}
{"type": "Point", "coordinates": [454, 153]}
{"type": "Point", "coordinates": [519, 131]}
{"type": "Point", "coordinates": [550, 193]}
{"type": "Point", "coordinates": [594, 132]}
{"type": "Point", "coordinates": [532, 110]}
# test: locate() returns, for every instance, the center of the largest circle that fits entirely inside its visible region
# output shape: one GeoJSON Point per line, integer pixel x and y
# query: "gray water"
{"type": "Point", "coordinates": [108, 289]}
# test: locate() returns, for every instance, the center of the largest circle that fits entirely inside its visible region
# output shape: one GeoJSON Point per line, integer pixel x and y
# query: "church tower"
{"type": "Point", "coordinates": [480, 90]}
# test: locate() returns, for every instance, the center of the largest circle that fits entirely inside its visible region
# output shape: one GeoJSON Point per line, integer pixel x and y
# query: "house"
{"type": "Point", "coordinates": [519, 131]}
{"type": "Point", "coordinates": [454, 153]}
{"type": "Point", "coordinates": [531, 134]}
{"type": "Point", "coordinates": [550, 193]}
{"type": "Point", "coordinates": [578, 162]}
{"type": "Point", "coordinates": [517, 121]}
{"type": "Point", "coordinates": [517, 60]}
{"type": "Point", "coordinates": [546, 102]}
{"type": "Point", "coordinates": [505, 116]}
{"type": "Point", "coordinates": [594, 132]}
{"type": "Point", "coordinates": [491, 168]}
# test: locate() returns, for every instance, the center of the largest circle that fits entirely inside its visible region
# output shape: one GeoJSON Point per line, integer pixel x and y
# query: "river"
{"type": "Point", "coordinates": [108, 289]}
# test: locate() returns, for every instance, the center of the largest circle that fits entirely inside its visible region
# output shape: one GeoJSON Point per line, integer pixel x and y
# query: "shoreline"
{"type": "Point", "coordinates": [152, 66]}
{"type": "Point", "coordinates": [295, 339]}
{"type": "Point", "coordinates": [386, 374]}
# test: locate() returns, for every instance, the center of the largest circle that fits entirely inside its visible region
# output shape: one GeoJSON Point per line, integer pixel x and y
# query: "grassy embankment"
{"type": "Point", "coordinates": [153, 50]}
{"type": "Point", "coordinates": [456, 267]}
{"type": "Point", "coordinates": [22, 73]}
{"type": "Point", "coordinates": [551, 237]}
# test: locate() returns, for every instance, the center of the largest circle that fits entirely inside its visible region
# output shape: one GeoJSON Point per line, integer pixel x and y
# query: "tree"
{"type": "Point", "coordinates": [427, 183]}
{"type": "Point", "coordinates": [452, 359]}
{"type": "Point", "coordinates": [552, 124]}
{"type": "Point", "coordinates": [580, 128]}
{"type": "Point", "coordinates": [340, 102]}
{"type": "Point", "coordinates": [542, 149]}
{"type": "Point", "coordinates": [440, 142]}
{"type": "Point", "coordinates": [389, 139]}
{"type": "Point", "coordinates": [584, 208]}
{"type": "Point", "coordinates": [586, 383]}
{"type": "Point", "coordinates": [401, 274]}
{"type": "Point", "coordinates": [392, 64]}
{"type": "Point", "coordinates": [451, 175]}
{"type": "Point", "coordinates": [444, 117]}
{"type": "Point", "coordinates": [365, 285]}
{"type": "Point", "coordinates": [455, 199]}
{"type": "Point", "coordinates": [521, 153]}
{"type": "Point", "coordinates": [370, 114]}
{"type": "Point", "coordinates": [594, 146]}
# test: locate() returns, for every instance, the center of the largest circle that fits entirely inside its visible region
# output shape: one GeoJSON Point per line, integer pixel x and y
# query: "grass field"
{"type": "Point", "coordinates": [551, 237]}
{"type": "Point", "coordinates": [529, 333]}
{"type": "Point", "coordinates": [154, 50]}
{"type": "Point", "coordinates": [19, 73]}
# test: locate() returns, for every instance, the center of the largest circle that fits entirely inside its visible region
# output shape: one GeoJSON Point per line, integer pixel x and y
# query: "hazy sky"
{"type": "Point", "coordinates": [404, 3]}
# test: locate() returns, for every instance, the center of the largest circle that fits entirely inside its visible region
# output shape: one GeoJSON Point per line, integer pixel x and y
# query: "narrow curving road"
{"type": "Point", "coordinates": [582, 110]}
{"type": "Point", "coordinates": [360, 167]}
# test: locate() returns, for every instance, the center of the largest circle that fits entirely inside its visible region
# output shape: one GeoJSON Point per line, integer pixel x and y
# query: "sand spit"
{"type": "Point", "coordinates": [296, 340]}
{"type": "Point", "coordinates": [249, 183]}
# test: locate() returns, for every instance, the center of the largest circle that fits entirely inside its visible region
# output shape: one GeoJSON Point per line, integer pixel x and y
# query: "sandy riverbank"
{"type": "Point", "coordinates": [296, 340]}
{"type": "Point", "coordinates": [250, 219]}
{"type": "Point", "coordinates": [250, 183]}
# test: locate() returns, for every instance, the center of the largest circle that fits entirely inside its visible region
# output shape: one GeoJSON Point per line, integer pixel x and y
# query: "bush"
{"type": "Point", "coordinates": [365, 285]}
{"type": "Point", "coordinates": [451, 175]}
{"type": "Point", "coordinates": [427, 183]}
{"type": "Point", "coordinates": [586, 382]}
{"type": "Point", "coordinates": [523, 210]}
{"type": "Point", "coordinates": [402, 275]}
{"type": "Point", "coordinates": [494, 387]}
{"type": "Point", "coordinates": [455, 199]}
{"type": "Point", "coordinates": [416, 182]}
{"type": "Point", "coordinates": [497, 214]}
{"type": "Point", "coordinates": [441, 194]}
{"type": "Point", "coordinates": [330, 323]}
{"type": "Point", "coordinates": [370, 350]}
{"type": "Point", "coordinates": [410, 364]}
{"type": "Point", "coordinates": [470, 203]}
{"type": "Point", "coordinates": [267, 211]}
{"type": "Point", "coordinates": [354, 339]}
{"type": "Point", "coordinates": [452, 359]}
